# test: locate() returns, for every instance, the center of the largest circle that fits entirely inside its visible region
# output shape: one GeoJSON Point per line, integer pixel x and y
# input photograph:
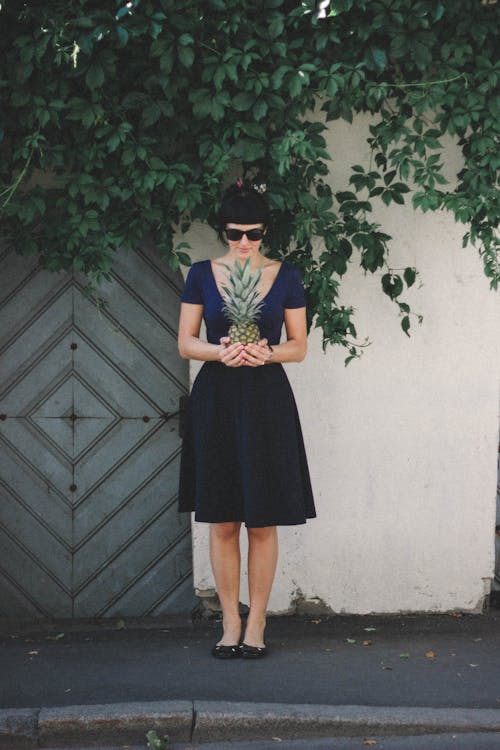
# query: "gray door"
{"type": "Point", "coordinates": [89, 444]}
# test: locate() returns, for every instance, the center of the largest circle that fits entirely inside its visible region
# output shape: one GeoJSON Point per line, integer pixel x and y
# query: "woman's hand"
{"type": "Point", "coordinates": [231, 354]}
{"type": "Point", "coordinates": [256, 355]}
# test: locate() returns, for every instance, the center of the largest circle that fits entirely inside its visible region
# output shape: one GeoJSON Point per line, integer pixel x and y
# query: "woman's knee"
{"type": "Point", "coordinates": [226, 530]}
{"type": "Point", "coordinates": [261, 534]}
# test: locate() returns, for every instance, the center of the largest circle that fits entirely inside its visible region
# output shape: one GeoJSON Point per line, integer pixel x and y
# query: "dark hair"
{"type": "Point", "coordinates": [242, 204]}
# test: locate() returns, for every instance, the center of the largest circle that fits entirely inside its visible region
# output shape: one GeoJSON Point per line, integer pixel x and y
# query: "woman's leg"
{"type": "Point", "coordinates": [225, 559]}
{"type": "Point", "coordinates": [262, 559]}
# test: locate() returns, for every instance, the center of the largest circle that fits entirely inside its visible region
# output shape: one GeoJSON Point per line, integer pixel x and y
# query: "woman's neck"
{"type": "Point", "coordinates": [256, 261]}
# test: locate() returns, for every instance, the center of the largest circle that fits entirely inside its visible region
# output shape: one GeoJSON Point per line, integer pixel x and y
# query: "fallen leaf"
{"type": "Point", "coordinates": [369, 742]}
{"type": "Point", "coordinates": [350, 640]}
{"type": "Point", "coordinates": [404, 656]}
{"type": "Point", "coordinates": [430, 654]}
{"type": "Point", "coordinates": [367, 643]}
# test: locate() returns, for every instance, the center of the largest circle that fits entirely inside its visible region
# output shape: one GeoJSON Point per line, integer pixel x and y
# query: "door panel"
{"type": "Point", "coordinates": [89, 444]}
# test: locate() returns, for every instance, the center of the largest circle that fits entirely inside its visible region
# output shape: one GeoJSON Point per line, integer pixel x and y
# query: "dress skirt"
{"type": "Point", "coordinates": [243, 456]}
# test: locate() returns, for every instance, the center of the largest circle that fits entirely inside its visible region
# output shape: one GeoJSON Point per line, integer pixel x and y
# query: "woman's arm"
{"type": "Point", "coordinates": [294, 349]}
{"type": "Point", "coordinates": [192, 347]}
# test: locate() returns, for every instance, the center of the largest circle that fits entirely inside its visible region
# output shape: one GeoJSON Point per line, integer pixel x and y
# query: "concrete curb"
{"type": "Point", "coordinates": [239, 721]}
{"type": "Point", "coordinates": [18, 728]}
{"type": "Point", "coordinates": [208, 721]}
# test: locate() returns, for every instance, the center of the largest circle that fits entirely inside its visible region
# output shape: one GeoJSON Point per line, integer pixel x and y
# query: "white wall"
{"type": "Point", "coordinates": [402, 444]}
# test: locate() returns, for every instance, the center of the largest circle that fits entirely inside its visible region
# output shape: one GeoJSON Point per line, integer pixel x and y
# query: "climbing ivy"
{"type": "Point", "coordinates": [123, 119]}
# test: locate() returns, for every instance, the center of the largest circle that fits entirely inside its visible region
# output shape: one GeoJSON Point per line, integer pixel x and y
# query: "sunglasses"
{"type": "Point", "coordinates": [252, 234]}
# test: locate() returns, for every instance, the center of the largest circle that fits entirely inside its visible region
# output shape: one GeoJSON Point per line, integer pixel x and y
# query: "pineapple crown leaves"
{"type": "Point", "coordinates": [242, 301]}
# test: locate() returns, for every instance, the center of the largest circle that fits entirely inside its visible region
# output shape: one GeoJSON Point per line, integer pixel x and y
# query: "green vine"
{"type": "Point", "coordinates": [122, 122]}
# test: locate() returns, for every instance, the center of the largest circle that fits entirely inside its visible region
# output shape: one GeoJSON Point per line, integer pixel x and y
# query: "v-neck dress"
{"type": "Point", "coordinates": [243, 456]}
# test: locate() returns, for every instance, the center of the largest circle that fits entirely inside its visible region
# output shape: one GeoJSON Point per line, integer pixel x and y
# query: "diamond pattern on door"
{"type": "Point", "coordinates": [89, 445]}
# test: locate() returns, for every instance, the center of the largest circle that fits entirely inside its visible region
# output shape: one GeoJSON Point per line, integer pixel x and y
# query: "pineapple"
{"type": "Point", "coordinates": [242, 303]}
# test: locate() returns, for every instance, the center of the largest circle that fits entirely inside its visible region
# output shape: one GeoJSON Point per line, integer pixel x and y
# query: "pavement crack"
{"type": "Point", "coordinates": [193, 721]}
{"type": "Point", "coordinates": [36, 727]}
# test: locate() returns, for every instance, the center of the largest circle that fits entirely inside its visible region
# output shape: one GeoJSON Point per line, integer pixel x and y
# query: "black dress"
{"type": "Point", "coordinates": [243, 456]}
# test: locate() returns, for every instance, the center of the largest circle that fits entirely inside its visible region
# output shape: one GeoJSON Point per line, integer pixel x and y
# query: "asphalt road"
{"type": "Point", "coordinates": [485, 741]}
{"type": "Point", "coordinates": [426, 660]}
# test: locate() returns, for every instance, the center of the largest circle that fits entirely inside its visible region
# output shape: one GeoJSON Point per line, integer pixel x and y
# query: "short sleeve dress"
{"type": "Point", "coordinates": [243, 456]}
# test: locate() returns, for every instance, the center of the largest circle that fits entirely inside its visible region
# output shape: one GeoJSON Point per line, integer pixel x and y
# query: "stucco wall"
{"type": "Point", "coordinates": [402, 444]}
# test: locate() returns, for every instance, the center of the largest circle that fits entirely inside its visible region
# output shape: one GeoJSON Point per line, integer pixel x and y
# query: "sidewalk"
{"type": "Point", "coordinates": [324, 677]}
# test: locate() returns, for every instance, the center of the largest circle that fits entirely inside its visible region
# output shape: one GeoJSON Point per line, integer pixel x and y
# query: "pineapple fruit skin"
{"type": "Point", "coordinates": [244, 333]}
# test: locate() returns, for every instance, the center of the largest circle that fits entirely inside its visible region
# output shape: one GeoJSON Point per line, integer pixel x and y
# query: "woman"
{"type": "Point", "coordinates": [243, 458]}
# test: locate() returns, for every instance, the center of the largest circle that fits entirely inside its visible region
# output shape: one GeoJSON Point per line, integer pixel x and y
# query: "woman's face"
{"type": "Point", "coordinates": [244, 248]}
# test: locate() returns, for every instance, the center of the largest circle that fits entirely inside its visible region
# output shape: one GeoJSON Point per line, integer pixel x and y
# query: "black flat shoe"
{"type": "Point", "coordinates": [226, 652]}
{"type": "Point", "coordinates": [253, 652]}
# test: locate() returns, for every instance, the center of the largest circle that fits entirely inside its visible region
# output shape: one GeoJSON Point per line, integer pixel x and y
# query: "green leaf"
{"type": "Point", "coordinates": [248, 150]}
{"type": "Point", "coordinates": [397, 197]}
{"type": "Point", "coordinates": [376, 58]}
{"type": "Point", "coordinates": [186, 56]}
{"type": "Point", "coordinates": [275, 28]}
{"type": "Point", "coordinates": [167, 61]}
{"type": "Point", "coordinates": [122, 35]}
{"type": "Point", "coordinates": [95, 76]}
{"type": "Point", "coordinates": [389, 176]}
{"type": "Point", "coordinates": [217, 109]}
{"type": "Point", "coordinates": [119, 14]}
{"type": "Point", "coordinates": [339, 263]}
{"type": "Point", "coordinates": [259, 109]}
{"type": "Point", "coordinates": [242, 102]}
{"type": "Point", "coordinates": [400, 187]}
{"type": "Point", "coordinates": [156, 163]}
{"type": "Point", "coordinates": [219, 76]}
{"type": "Point", "coordinates": [295, 86]}
{"type": "Point", "coordinates": [278, 75]}
{"type": "Point", "coordinates": [151, 114]}
{"type": "Point", "coordinates": [392, 285]}
{"type": "Point", "coordinates": [113, 142]}
{"type": "Point", "coordinates": [409, 276]}
{"type": "Point", "coordinates": [254, 130]}
{"type": "Point", "coordinates": [332, 85]}
{"type": "Point", "coordinates": [184, 258]}
{"type": "Point", "coordinates": [185, 40]}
